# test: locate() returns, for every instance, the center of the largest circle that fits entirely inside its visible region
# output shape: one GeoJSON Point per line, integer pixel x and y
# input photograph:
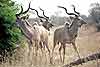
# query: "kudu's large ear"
{"type": "Point", "coordinates": [25, 17]}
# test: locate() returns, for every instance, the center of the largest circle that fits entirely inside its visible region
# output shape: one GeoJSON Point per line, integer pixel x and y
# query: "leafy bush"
{"type": "Point", "coordinates": [10, 35]}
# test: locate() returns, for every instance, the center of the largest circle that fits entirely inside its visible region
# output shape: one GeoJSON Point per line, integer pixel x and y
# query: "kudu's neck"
{"type": "Point", "coordinates": [74, 27]}
{"type": "Point", "coordinates": [25, 29]}
{"type": "Point", "coordinates": [22, 25]}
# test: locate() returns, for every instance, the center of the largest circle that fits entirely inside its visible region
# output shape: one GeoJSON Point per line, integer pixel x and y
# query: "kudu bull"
{"type": "Point", "coordinates": [44, 29]}
{"type": "Point", "coordinates": [30, 32]}
{"type": "Point", "coordinates": [68, 35]}
{"type": "Point", "coordinates": [36, 34]}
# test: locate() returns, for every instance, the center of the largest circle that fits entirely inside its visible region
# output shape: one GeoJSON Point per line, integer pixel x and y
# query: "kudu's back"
{"type": "Point", "coordinates": [62, 35]}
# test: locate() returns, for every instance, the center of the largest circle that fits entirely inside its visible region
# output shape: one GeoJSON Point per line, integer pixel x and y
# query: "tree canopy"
{"type": "Point", "coordinates": [95, 14]}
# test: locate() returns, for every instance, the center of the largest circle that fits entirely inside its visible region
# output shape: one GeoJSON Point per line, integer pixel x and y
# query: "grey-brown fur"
{"type": "Point", "coordinates": [44, 29]}
{"type": "Point", "coordinates": [35, 34]}
{"type": "Point", "coordinates": [67, 35]}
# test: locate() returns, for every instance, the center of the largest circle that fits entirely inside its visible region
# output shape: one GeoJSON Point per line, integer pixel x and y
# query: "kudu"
{"type": "Point", "coordinates": [68, 35]}
{"type": "Point", "coordinates": [47, 24]}
{"type": "Point", "coordinates": [30, 32]}
{"type": "Point", "coordinates": [43, 30]}
{"type": "Point", "coordinates": [37, 34]}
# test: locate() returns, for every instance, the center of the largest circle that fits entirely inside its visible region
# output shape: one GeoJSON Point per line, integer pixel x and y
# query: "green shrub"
{"type": "Point", "coordinates": [10, 34]}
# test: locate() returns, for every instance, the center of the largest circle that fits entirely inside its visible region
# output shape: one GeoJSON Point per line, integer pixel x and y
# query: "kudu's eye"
{"type": "Point", "coordinates": [34, 27]}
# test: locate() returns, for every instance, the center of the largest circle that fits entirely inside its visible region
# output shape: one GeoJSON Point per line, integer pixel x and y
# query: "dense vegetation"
{"type": "Point", "coordinates": [10, 34]}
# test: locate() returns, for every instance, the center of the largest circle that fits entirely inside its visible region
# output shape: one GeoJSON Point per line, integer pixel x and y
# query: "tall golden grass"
{"type": "Point", "coordinates": [88, 42]}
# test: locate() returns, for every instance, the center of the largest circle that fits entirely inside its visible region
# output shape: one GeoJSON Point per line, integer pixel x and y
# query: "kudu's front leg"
{"type": "Point", "coordinates": [64, 46]}
{"type": "Point", "coordinates": [74, 45]}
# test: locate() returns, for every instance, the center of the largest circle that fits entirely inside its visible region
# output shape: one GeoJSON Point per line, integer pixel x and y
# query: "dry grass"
{"type": "Point", "coordinates": [88, 42]}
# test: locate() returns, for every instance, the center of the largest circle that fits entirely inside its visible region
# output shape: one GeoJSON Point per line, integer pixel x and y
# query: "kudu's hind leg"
{"type": "Point", "coordinates": [60, 52]}
{"type": "Point", "coordinates": [51, 58]}
{"type": "Point", "coordinates": [41, 46]}
{"type": "Point", "coordinates": [54, 45]}
{"type": "Point", "coordinates": [37, 47]}
{"type": "Point", "coordinates": [46, 44]}
{"type": "Point", "coordinates": [76, 49]}
{"type": "Point", "coordinates": [30, 47]}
